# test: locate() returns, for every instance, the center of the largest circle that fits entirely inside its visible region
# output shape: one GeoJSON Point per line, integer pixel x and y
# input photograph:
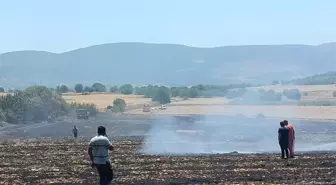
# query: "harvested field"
{"type": "Point", "coordinates": [103, 100]}
{"type": "Point", "coordinates": [65, 162]}
{"type": "Point", "coordinates": [51, 156]}
{"type": "Point", "coordinates": [272, 111]}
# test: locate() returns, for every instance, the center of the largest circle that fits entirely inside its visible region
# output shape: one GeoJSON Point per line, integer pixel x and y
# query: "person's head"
{"type": "Point", "coordinates": [282, 124]}
{"type": "Point", "coordinates": [286, 122]}
{"type": "Point", "coordinates": [101, 131]}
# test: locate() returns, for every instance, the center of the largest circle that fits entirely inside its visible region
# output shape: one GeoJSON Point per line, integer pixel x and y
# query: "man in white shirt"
{"type": "Point", "coordinates": [98, 151]}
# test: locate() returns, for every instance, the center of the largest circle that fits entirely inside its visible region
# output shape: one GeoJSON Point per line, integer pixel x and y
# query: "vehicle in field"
{"type": "Point", "coordinates": [82, 114]}
{"type": "Point", "coordinates": [163, 107]}
{"type": "Point", "coordinates": [146, 108]}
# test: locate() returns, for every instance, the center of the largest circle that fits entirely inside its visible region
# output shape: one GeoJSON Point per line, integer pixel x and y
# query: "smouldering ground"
{"type": "Point", "coordinates": [65, 162]}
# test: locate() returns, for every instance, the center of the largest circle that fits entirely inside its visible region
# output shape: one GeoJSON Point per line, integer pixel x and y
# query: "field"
{"type": "Point", "coordinates": [65, 162]}
{"type": "Point", "coordinates": [103, 100]}
{"type": "Point", "coordinates": [46, 153]}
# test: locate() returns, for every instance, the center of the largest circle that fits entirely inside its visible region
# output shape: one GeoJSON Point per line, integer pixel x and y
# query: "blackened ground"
{"type": "Point", "coordinates": [65, 162]}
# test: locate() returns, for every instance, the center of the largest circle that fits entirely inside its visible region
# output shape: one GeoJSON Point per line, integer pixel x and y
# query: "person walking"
{"type": "Point", "coordinates": [291, 138]}
{"type": "Point", "coordinates": [283, 138]}
{"type": "Point", "coordinates": [98, 151]}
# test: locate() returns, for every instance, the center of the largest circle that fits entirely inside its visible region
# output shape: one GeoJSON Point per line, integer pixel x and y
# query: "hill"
{"type": "Point", "coordinates": [318, 79]}
{"type": "Point", "coordinates": [141, 63]}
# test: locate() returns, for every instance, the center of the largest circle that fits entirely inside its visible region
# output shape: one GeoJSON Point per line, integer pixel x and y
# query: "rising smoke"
{"type": "Point", "coordinates": [220, 134]}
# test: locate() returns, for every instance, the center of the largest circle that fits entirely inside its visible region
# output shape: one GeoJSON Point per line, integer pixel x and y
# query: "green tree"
{"type": "Point", "coordinates": [119, 105]}
{"type": "Point", "coordinates": [2, 89]}
{"type": "Point", "coordinates": [88, 89]}
{"type": "Point", "coordinates": [62, 89]}
{"type": "Point", "coordinates": [79, 88]}
{"type": "Point", "coordinates": [126, 89]}
{"type": "Point", "coordinates": [114, 89]}
{"type": "Point", "coordinates": [162, 95]}
{"type": "Point", "coordinates": [98, 87]}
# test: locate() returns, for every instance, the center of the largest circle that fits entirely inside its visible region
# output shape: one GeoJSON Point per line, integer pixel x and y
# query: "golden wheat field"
{"type": "Point", "coordinates": [103, 100]}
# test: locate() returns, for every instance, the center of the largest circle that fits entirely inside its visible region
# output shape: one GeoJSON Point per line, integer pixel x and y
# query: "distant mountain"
{"type": "Point", "coordinates": [318, 79]}
{"type": "Point", "coordinates": [140, 63]}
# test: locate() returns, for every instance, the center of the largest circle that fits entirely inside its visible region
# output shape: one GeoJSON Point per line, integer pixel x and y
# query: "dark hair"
{"type": "Point", "coordinates": [282, 123]}
{"type": "Point", "coordinates": [101, 130]}
{"type": "Point", "coordinates": [286, 122]}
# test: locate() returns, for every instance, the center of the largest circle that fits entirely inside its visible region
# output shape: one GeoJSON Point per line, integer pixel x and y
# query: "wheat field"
{"type": "Point", "coordinates": [103, 100]}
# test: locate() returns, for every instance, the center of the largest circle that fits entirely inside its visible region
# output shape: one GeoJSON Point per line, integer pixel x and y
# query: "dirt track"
{"type": "Point", "coordinates": [65, 162]}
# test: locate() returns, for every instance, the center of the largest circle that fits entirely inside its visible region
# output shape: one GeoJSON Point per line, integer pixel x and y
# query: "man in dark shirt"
{"type": "Point", "coordinates": [283, 137]}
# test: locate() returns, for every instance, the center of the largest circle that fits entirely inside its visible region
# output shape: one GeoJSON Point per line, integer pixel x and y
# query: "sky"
{"type": "Point", "coordinates": [63, 25]}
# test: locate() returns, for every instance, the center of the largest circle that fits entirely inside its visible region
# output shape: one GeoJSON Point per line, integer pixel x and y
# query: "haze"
{"type": "Point", "coordinates": [59, 26]}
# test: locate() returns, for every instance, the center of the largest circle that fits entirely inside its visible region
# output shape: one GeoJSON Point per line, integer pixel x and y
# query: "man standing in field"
{"type": "Point", "coordinates": [98, 151]}
{"type": "Point", "coordinates": [291, 138]}
{"type": "Point", "coordinates": [283, 138]}
{"type": "Point", "coordinates": [75, 131]}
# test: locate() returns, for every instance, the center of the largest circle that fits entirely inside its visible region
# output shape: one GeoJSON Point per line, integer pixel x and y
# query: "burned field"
{"type": "Point", "coordinates": [46, 154]}
{"type": "Point", "coordinates": [56, 161]}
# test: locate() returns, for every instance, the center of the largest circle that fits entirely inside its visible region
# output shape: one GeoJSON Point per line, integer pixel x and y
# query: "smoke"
{"type": "Point", "coordinates": [223, 134]}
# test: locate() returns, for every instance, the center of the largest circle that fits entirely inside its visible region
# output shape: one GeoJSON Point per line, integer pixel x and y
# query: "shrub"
{"type": "Point", "coordinates": [270, 95]}
{"type": "Point", "coordinates": [119, 105]}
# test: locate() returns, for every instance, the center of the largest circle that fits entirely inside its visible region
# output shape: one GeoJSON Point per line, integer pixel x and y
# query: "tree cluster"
{"type": "Point", "coordinates": [33, 104]}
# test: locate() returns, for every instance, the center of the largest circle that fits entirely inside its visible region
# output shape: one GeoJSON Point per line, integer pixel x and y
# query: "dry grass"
{"type": "Point", "coordinates": [103, 100]}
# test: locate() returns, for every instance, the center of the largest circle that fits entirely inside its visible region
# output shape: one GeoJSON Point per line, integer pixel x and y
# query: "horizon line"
{"type": "Point", "coordinates": [95, 45]}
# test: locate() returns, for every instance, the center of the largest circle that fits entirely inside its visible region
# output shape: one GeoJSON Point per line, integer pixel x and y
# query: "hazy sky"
{"type": "Point", "coordinates": [63, 25]}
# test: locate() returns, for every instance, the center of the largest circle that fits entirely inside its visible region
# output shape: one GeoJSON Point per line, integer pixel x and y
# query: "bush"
{"type": "Point", "coordinates": [2, 89]}
{"type": "Point", "coordinates": [79, 88]}
{"type": "Point", "coordinates": [293, 94]}
{"type": "Point", "coordinates": [126, 89]}
{"type": "Point", "coordinates": [98, 87]}
{"type": "Point", "coordinates": [119, 105]}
